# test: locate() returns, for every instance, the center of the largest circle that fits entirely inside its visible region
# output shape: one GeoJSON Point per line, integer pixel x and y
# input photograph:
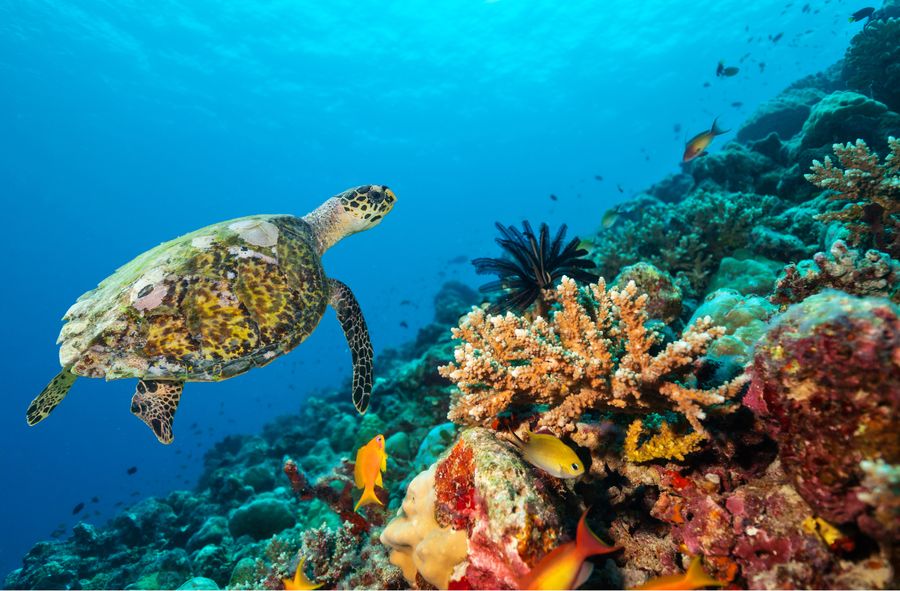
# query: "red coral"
{"type": "Point", "coordinates": [455, 488]}
{"type": "Point", "coordinates": [826, 387]}
{"type": "Point", "coordinates": [340, 501]}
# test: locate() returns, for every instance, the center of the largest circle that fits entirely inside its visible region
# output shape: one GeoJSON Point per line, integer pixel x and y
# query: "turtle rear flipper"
{"type": "Point", "coordinates": [155, 403]}
{"type": "Point", "coordinates": [50, 397]}
{"type": "Point", "coordinates": [351, 318]}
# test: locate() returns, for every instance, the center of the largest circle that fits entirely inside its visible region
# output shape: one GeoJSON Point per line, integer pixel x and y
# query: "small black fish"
{"type": "Point", "coordinates": [403, 324]}
{"type": "Point", "coordinates": [737, 104]}
{"type": "Point", "coordinates": [776, 38]}
{"type": "Point", "coordinates": [706, 84]}
{"type": "Point", "coordinates": [806, 8]}
{"type": "Point", "coordinates": [762, 67]}
{"type": "Point", "coordinates": [677, 128]}
{"type": "Point", "coordinates": [598, 177]}
{"type": "Point", "coordinates": [458, 260]}
{"type": "Point", "coordinates": [77, 508]}
{"type": "Point", "coordinates": [95, 499]}
{"type": "Point", "coordinates": [405, 303]}
{"type": "Point", "coordinates": [119, 503]}
{"type": "Point", "coordinates": [727, 72]}
{"type": "Point", "coordinates": [553, 197]}
{"type": "Point", "coordinates": [619, 187]}
{"type": "Point", "coordinates": [132, 471]}
{"type": "Point", "coordinates": [860, 14]}
{"type": "Point", "coordinates": [135, 493]}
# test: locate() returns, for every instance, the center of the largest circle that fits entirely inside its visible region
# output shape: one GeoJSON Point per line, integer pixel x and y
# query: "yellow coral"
{"type": "Point", "coordinates": [592, 353]}
{"type": "Point", "coordinates": [821, 528]}
{"type": "Point", "coordinates": [663, 445]}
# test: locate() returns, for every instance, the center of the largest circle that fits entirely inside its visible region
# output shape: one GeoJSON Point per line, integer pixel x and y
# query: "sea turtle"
{"type": "Point", "coordinates": [214, 304]}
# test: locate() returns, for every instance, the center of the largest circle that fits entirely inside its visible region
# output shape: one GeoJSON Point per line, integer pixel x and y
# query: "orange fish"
{"type": "Point", "coordinates": [565, 566]}
{"type": "Point", "coordinates": [371, 461]}
{"type": "Point", "coordinates": [697, 145]}
{"type": "Point", "coordinates": [694, 578]}
{"type": "Point", "coordinates": [300, 582]}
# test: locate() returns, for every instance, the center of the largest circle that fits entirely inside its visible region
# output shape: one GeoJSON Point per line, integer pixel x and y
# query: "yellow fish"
{"type": "Point", "coordinates": [371, 461]}
{"type": "Point", "coordinates": [694, 578]}
{"type": "Point", "coordinates": [551, 455]}
{"type": "Point", "coordinates": [697, 145]}
{"type": "Point", "coordinates": [300, 582]}
{"type": "Point", "coordinates": [565, 566]}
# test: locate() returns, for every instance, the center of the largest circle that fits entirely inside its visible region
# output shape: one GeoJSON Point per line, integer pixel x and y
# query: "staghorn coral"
{"type": "Point", "coordinates": [873, 273]}
{"type": "Point", "coordinates": [665, 445]}
{"type": "Point", "coordinates": [587, 356]}
{"type": "Point", "coordinates": [872, 189]}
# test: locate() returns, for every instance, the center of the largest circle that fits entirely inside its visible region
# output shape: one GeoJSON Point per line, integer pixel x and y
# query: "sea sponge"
{"type": "Point", "coordinates": [419, 546]}
{"type": "Point", "coordinates": [826, 387]}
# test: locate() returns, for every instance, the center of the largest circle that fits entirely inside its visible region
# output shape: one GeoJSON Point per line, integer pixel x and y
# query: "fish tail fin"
{"type": "Point", "coordinates": [716, 130]}
{"type": "Point", "coordinates": [697, 577]}
{"type": "Point", "coordinates": [52, 394]}
{"type": "Point", "coordinates": [368, 497]}
{"type": "Point", "coordinates": [587, 542]}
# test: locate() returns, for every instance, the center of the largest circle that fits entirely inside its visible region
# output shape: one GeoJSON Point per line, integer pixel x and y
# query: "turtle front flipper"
{"type": "Point", "coordinates": [155, 403]}
{"type": "Point", "coordinates": [41, 407]}
{"type": "Point", "coordinates": [351, 318]}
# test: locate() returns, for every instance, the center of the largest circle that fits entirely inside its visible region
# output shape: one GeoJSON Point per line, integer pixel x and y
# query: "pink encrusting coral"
{"type": "Point", "coordinates": [826, 387]}
{"type": "Point", "coordinates": [592, 353]}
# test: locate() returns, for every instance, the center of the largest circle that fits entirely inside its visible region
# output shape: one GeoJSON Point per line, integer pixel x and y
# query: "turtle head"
{"type": "Point", "coordinates": [350, 212]}
{"type": "Point", "coordinates": [365, 206]}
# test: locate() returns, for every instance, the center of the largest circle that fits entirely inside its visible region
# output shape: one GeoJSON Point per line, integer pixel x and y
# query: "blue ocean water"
{"type": "Point", "coordinates": [124, 124]}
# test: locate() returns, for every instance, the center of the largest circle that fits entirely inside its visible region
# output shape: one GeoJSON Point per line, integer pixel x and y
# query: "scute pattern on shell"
{"type": "Point", "coordinates": [204, 307]}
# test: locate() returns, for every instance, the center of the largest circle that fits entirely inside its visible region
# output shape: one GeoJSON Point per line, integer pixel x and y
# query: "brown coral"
{"type": "Point", "coordinates": [591, 355]}
{"type": "Point", "coordinates": [872, 189]}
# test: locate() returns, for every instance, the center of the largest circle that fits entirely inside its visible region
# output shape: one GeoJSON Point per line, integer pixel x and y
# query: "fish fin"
{"type": "Point", "coordinates": [155, 403]}
{"type": "Point", "coordinates": [587, 542]}
{"type": "Point", "coordinates": [52, 394]}
{"type": "Point", "coordinates": [696, 577]}
{"type": "Point", "coordinates": [584, 573]}
{"type": "Point", "coordinates": [368, 497]}
{"type": "Point", "coordinates": [703, 153]}
{"type": "Point", "coordinates": [716, 130]}
{"type": "Point", "coordinates": [378, 481]}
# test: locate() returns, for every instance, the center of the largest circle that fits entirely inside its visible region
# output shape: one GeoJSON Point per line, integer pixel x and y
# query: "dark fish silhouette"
{"type": "Point", "coordinates": [77, 509]}
{"type": "Point", "coordinates": [619, 187]}
{"type": "Point", "coordinates": [727, 72]}
{"type": "Point", "coordinates": [132, 471]}
{"type": "Point", "coordinates": [597, 177]}
{"type": "Point", "coordinates": [95, 499]}
{"type": "Point", "coordinates": [862, 13]}
{"type": "Point", "coordinates": [458, 260]}
{"type": "Point", "coordinates": [737, 104]}
{"type": "Point", "coordinates": [776, 38]}
{"type": "Point", "coordinates": [404, 324]}
{"type": "Point", "coordinates": [553, 197]}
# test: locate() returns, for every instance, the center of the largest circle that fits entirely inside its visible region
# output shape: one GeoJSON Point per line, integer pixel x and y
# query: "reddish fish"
{"type": "Point", "coordinates": [565, 566]}
{"type": "Point", "coordinates": [698, 144]}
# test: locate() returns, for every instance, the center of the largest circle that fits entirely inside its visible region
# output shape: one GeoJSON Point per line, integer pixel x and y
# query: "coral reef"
{"type": "Point", "coordinates": [573, 363]}
{"type": "Point", "coordinates": [826, 386]}
{"type": "Point", "coordinates": [871, 274]}
{"type": "Point", "coordinates": [663, 445]}
{"type": "Point", "coordinates": [744, 319]}
{"type": "Point", "coordinates": [872, 63]}
{"type": "Point", "coordinates": [873, 190]}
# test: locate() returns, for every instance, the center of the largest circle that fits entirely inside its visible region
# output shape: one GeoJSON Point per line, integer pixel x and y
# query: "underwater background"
{"type": "Point", "coordinates": [125, 124]}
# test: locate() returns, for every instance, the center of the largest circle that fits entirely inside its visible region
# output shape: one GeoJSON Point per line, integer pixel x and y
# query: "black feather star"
{"type": "Point", "coordinates": [535, 263]}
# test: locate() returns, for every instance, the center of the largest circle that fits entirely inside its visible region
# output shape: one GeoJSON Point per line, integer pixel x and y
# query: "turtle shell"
{"type": "Point", "coordinates": [203, 307]}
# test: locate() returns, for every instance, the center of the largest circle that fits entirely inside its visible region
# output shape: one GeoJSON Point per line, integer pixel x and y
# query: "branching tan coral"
{"type": "Point", "coordinates": [665, 445]}
{"type": "Point", "coordinates": [872, 189]}
{"type": "Point", "coordinates": [592, 354]}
